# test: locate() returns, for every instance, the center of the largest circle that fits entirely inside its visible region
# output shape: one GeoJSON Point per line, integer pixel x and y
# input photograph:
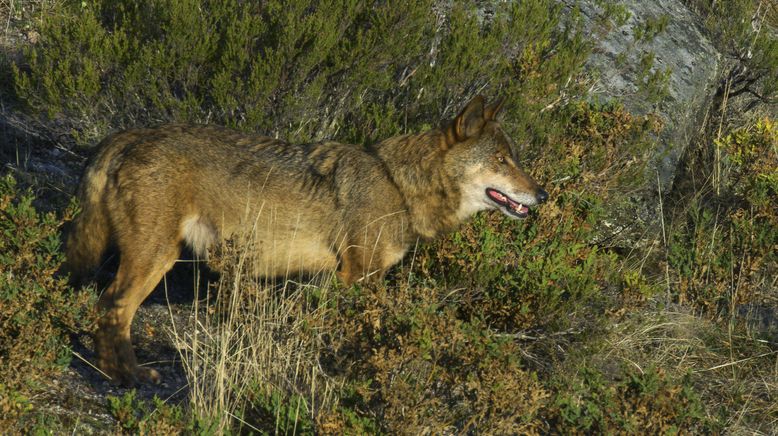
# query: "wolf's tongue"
{"type": "Point", "coordinates": [497, 196]}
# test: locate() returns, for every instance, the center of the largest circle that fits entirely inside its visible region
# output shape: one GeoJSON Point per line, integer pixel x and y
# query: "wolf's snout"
{"type": "Point", "coordinates": [541, 196]}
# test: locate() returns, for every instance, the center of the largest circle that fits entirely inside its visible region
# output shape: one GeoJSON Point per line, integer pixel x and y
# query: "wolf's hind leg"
{"type": "Point", "coordinates": [137, 276]}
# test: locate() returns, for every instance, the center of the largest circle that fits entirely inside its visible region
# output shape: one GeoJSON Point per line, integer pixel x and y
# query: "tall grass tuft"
{"type": "Point", "coordinates": [253, 356]}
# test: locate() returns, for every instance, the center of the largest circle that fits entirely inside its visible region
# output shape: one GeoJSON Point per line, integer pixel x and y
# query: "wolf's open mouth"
{"type": "Point", "coordinates": [507, 203]}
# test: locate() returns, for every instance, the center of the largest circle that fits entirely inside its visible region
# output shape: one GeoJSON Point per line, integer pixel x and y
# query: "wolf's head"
{"type": "Point", "coordinates": [479, 157]}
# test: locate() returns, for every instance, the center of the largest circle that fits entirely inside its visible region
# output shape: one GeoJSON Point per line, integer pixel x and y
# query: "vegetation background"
{"type": "Point", "coordinates": [554, 324]}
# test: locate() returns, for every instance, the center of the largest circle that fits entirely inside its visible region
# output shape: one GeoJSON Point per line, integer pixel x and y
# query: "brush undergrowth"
{"type": "Point", "coordinates": [354, 71]}
{"type": "Point", "coordinates": [38, 311]}
{"type": "Point", "coordinates": [722, 248]}
{"type": "Point", "coordinates": [540, 273]}
{"type": "Point", "coordinates": [503, 327]}
{"type": "Point", "coordinates": [646, 402]}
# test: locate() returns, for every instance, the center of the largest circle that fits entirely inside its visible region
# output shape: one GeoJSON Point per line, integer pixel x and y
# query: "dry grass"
{"type": "Point", "coordinates": [734, 371]}
{"type": "Point", "coordinates": [253, 341]}
{"type": "Point", "coordinates": [19, 16]}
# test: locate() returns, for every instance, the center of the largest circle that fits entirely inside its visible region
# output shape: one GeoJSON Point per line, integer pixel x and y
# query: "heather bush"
{"type": "Point", "coordinates": [156, 417]}
{"type": "Point", "coordinates": [647, 402]}
{"type": "Point", "coordinates": [722, 248]}
{"type": "Point", "coordinates": [38, 311]}
{"type": "Point", "coordinates": [355, 71]}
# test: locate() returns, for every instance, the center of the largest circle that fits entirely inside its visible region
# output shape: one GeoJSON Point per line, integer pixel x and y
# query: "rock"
{"type": "Point", "coordinates": [679, 47]}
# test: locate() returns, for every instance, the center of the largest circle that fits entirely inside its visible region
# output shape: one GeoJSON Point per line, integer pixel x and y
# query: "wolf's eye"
{"type": "Point", "coordinates": [500, 158]}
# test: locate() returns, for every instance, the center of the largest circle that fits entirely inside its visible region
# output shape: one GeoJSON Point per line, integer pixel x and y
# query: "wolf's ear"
{"type": "Point", "coordinates": [491, 111]}
{"type": "Point", "coordinates": [471, 120]}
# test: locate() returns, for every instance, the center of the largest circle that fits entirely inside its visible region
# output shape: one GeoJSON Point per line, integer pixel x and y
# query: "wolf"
{"type": "Point", "coordinates": [326, 206]}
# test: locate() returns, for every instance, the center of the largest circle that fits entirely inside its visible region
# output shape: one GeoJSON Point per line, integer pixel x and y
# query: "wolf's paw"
{"type": "Point", "coordinates": [118, 363]}
{"type": "Point", "coordinates": [131, 378]}
{"type": "Point", "coordinates": [132, 375]}
{"type": "Point", "coordinates": [148, 375]}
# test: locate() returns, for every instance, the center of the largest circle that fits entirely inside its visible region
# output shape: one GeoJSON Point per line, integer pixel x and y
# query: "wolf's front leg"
{"type": "Point", "coordinates": [356, 265]}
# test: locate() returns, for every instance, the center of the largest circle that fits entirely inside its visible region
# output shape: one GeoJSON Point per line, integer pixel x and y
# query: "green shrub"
{"type": "Point", "coordinates": [156, 417]}
{"type": "Point", "coordinates": [636, 402]}
{"type": "Point", "coordinates": [355, 71]}
{"type": "Point", "coordinates": [415, 365]}
{"type": "Point", "coordinates": [745, 32]}
{"type": "Point", "coordinates": [280, 415]}
{"type": "Point", "coordinates": [722, 250]}
{"type": "Point", "coordinates": [37, 309]}
{"type": "Point", "coordinates": [385, 358]}
{"type": "Point", "coordinates": [446, 347]}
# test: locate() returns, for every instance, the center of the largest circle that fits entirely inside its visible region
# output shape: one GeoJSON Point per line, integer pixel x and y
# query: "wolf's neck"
{"type": "Point", "coordinates": [416, 164]}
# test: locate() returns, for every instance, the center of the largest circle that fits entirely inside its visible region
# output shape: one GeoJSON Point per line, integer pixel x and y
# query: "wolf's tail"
{"type": "Point", "coordinates": [89, 233]}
